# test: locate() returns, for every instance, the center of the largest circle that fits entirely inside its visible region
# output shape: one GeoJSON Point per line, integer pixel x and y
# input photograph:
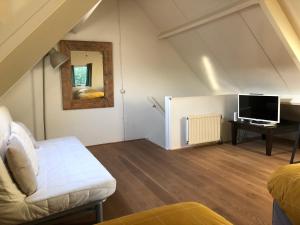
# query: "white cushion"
{"type": "Point", "coordinates": [20, 166]}
{"type": "Point", "coordinates": [17, 130]}
{"type": "Point", "coordinates": [11, 198]}
{"type": "Point", "coordinates": [5, 121]}
{"type": "Point", "coordinates": [34, 142]}
{"type": "Point", "coordinates": [8, 189]}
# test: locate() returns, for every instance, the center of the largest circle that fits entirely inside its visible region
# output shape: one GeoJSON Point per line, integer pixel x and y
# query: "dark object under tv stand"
{"type": "Point", "coordinates": [267, 132]}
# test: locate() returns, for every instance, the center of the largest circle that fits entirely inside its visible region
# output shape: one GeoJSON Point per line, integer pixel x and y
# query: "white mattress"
{"type": "Point", "coordinates": [69, 176]}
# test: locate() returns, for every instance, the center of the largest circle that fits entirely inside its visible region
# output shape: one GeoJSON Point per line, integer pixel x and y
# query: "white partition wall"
{"type": "Point", "coordinates": [178, 108]}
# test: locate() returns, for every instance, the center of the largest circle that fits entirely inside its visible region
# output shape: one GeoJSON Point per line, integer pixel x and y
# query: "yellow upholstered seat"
{"type": "Point", "coordinates": [189, 213]}
{"type": "Point", "coordinates": [284, 186]}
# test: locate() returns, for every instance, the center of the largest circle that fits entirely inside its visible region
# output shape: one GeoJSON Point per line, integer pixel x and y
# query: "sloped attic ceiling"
{"type": "Point", "coordinates": [29, 29]}
{"type": "Point", "coordinates": [239, 52]}
{"type": "Point", "coordinates": [292, 10]}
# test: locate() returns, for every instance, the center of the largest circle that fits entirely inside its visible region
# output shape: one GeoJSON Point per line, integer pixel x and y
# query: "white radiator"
{"type": "Point", "coordinates": [203, 129]}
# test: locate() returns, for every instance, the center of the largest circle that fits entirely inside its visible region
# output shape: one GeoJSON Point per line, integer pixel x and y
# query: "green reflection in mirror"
{"type": "Point", "coordinates": [82, 76]}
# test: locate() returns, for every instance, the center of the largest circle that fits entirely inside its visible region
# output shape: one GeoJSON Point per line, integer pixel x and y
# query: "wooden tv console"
{"type": "Point", "coordinates": [267, 132]}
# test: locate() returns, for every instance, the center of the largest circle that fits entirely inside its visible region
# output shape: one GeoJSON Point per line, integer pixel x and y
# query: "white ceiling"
{"type": "Point", "coordinates": [167, 14]}
{"type": "Point", "coordinates": [237, 53]}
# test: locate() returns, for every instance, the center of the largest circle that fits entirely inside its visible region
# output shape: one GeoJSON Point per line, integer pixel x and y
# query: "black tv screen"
{"type": "Point", "coordinates": [259, 107]}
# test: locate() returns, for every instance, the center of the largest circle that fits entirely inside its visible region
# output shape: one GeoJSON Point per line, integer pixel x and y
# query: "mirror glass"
{"type": "Point", "coordinates": [87, 74]}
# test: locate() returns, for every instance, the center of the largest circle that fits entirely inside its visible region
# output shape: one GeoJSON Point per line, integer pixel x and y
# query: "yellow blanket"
{"type": "Point", "coordinates": [284, 186]}
{"type": "Point", "coordinates": [189, 213]}
{"type": "Point", "coordinates": [91, 95]}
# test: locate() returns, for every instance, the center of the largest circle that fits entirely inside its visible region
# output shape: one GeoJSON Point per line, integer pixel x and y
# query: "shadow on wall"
{"type": "Point", "coordinates": [183, 127]}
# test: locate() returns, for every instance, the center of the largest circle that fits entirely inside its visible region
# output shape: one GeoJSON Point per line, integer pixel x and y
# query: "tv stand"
{"type": "Point", "coordinates": [262, 123]}
{"type": "Point", "coordinates": [266, 131]}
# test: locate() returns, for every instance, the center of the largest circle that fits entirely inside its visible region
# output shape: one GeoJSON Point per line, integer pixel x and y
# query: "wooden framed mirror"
{"type": "Point", "coordinates": [87, 77]}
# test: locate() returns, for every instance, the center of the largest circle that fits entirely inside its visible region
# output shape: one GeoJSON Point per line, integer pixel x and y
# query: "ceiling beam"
{"type": "Point", "coordinates": [76, 29]}
{"type": "Point", "coordinates": [292, 8]}
{"type": "Point", "coordinates": [283, 28]}
{"type": "Point", "coordinates": [207, 19]}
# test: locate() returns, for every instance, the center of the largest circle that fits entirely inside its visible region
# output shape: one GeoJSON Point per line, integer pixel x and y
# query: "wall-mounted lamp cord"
{"type": "Point", "coordinates": [56, 60]}
{"type": "Point", "coordinates": [44, 99]}
{"type": "Point", "coordinates": [122, 91]}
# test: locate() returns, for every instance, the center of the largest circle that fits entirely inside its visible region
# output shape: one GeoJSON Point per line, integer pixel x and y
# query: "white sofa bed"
{"type": "Point", "coordinates": [70, 178]}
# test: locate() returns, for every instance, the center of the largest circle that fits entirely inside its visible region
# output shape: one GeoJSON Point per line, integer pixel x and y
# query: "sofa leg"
{"type": "Point", "coordinates": [99, 212]}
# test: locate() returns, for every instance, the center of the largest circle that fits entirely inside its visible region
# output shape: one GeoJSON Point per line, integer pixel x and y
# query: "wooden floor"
{"type": "Point", "coordinates": [228, 179]}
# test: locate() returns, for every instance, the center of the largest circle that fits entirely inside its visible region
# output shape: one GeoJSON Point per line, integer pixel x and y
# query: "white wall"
{"type": "Point", "coordinates": [19, 99]}
{"type": "Point", "coordinates": [91, 126]}
{"type": "Point", "coordinates": [150, 68]}
{"type": "Point", "coordinates": [178, 108]}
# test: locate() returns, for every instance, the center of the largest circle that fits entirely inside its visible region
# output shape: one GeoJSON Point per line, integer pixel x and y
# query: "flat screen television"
{"type": "Point", "coordinates": [264, 108]}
